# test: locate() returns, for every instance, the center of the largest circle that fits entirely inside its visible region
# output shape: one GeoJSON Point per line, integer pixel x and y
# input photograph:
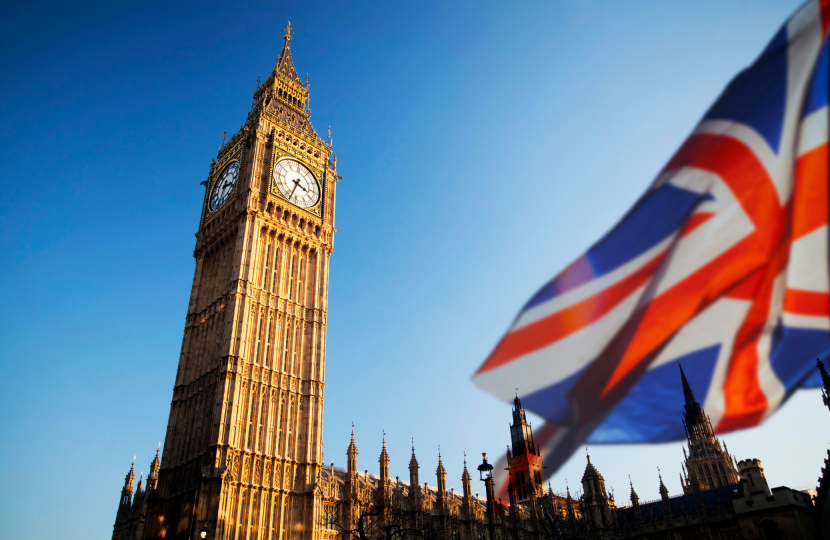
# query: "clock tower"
{"type": "Point", "coordinates": [243, 448]}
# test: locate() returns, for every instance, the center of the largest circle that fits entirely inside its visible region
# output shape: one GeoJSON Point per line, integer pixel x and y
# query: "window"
{"type": "Point", "coordinates": [260, 416]}
{"type": "Point", "coordinates": [279, 428]}
{"type": "Point", "coordinates": [272, 409]}
{"type": "Point", "coordinates": [243, 517]}
{"type": "Point", "coordinates": [285, 348]}
{"type": "Point", "coordinates": [709, 475]}
{"type": "Point", "coordinates": [258, 339]}
{"type": "Point", "coordinates": [251, 413]}
{"type": "Point", "coordinates": [273, 535]}
{"type": "Point", "coordinates": [722, 473]}
{"type": "Point", "coordinates": [267, 344]}
{"type": "Point", "coordinates": [266, 263]}
{"type": "Point", "coordinates": [300, 295]}
{"type": "Point", "coordinates": [289, 442]}
{"type": "Point", "coordinates": [294, 356]}
{"type": "Point", "coordinates": [274, 276]}
{"type": "Point", "coordinates": [291, 279]}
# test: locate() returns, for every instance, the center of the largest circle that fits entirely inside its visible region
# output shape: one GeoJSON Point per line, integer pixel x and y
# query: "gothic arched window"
{"type": "Point", "coordinates": [285, 347]}
{"type": "Point", "coordinates": [295, 356]}
{"type": "Point", "coordinates": [266, 264]}
{"type": "Point", "coordinates": [275, 275]}
{"type": "Point", "coordinates": [258, 339]}
{"type": "Point", "coordinates": [279, 428]}
{"type": "Point", "coordinates": [291, 278]}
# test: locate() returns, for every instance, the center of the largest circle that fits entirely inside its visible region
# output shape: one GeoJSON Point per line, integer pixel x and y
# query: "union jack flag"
{"type": "Point", "coordinates": [722, 264]}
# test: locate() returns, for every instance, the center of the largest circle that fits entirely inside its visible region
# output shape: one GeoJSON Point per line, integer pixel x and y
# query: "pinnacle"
{"type": "Point", "coordinates": [687, 390]}
{"type": "Point", "coordinates": [285, 65]}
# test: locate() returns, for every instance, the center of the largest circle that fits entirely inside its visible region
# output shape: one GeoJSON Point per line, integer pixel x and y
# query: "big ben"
{"type": "Point", "coordinates": [243, 445]}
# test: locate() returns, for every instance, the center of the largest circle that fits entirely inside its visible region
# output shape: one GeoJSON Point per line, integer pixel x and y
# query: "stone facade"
{"type": "Point", "coordinates": [243, 448]}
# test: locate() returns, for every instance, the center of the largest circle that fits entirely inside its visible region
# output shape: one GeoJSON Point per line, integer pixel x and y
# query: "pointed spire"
{"type": "Point", "coordinates": [384, 461]}
{"type": "Point", "coordinates": [351, 455]}
{"type": "Point", "coordinates": [663, 489]}
{"type": "Point", "coordinates": [413, 472]}
{"type": "Point", "coordinates": [285, 65]}
{"type": "Point", "coordinates": [687, 390]}
{"type": "Point", "coordinates": [383, 454]}
{"type": "Point", "coordinates": [128, 481]}
{"type": "Point", "coordinates": [465, 481]}
{"type": "Point", "coordinates": [441, 473]}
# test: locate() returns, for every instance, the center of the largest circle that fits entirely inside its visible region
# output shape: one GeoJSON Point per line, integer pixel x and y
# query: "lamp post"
{"type": "Point", "coordinates": [204, 532]}
{"type": "Point", "coordinates": [485, 472]}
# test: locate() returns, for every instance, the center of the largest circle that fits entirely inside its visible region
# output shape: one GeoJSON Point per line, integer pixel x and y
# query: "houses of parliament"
{"type": "Point", "coordinates": [242, 456]}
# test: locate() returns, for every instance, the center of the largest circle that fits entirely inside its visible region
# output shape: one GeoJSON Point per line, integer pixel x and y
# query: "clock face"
{"type": "Point", "coordinates": [296, 183]}
{"type": "Point", "coordinates": [223, 186]}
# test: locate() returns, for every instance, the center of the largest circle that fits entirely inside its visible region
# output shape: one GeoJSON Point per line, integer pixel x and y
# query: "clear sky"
{"type": "Point", "coordinates": [483, 146]}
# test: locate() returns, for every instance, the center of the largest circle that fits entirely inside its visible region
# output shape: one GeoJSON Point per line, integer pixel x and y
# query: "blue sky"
{"type": "Point", "coordinates": [111, 114]}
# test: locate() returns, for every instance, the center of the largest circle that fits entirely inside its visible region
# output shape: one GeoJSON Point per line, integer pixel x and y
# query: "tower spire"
{"type": "Point", "coordinates": [384, 461]}
{"type": "Point", "coordinates": [441, 473]}
{"type": "Point", "coordinates": [351, 455]}
{"type": "Point", "coordinates": [687, 390]}
{"type": "Point", "coordinates": [465, 482]}
{"type": "Point", "coordinates": [285, 65]}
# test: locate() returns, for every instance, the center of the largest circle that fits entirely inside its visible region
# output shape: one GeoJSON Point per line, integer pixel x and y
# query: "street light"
{"type": "Point", "coordinates": [204, 532]}
{"type": "Point", "coordinates": [485, 472]}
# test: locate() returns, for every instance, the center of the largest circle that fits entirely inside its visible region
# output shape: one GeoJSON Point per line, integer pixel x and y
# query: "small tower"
{"type": "Point", "coordinates": [383, 483]}
{"type": "Point", "coordinates": [140, 489]}
{"type": "Point", "coordinates": [414, 485]}
{"type": "Point", "coordinates": [441, 473]}
{"type": "Point", "coordinates": [525, 460]}
{"type": "Point", "coordinates": [753, 474]}
{"type": "Point", "coordinates": [127, 490]}
{"type": "Point", "coordinates": [597, 507]}
{"type": "Point", "coordinates": [707, 457]}
{"type": "Point", "coordinates": [153, 477]}
{"type": "Point", "coordinates": [635, 502]}
{"type": "Point", "coordinates": [569, 504]}
{"type": "Point", "coordinates": [351, 457]}
{"type": "Point", "coordinates": [465, 483]}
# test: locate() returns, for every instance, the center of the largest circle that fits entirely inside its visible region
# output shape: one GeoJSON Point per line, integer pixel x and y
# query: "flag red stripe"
{"type": "Point", "coordinates": [810, 303]}
{"type": "Point", "coordinates": [569, 320]}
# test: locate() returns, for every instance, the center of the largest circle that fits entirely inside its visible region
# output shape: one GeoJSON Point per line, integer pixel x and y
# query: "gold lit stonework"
{"type": "Point", "coordinates": [243, 449]}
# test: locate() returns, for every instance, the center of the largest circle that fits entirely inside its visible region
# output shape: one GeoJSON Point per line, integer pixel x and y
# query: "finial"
{"type": "Point", "coordinates": [258, 82]}
{"type": "Point", "coordinates": [133, 459]}
{"type": "Point", "coordinates": [224, 136]}
{"type": "Point", "coordinates": [288, 31]}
